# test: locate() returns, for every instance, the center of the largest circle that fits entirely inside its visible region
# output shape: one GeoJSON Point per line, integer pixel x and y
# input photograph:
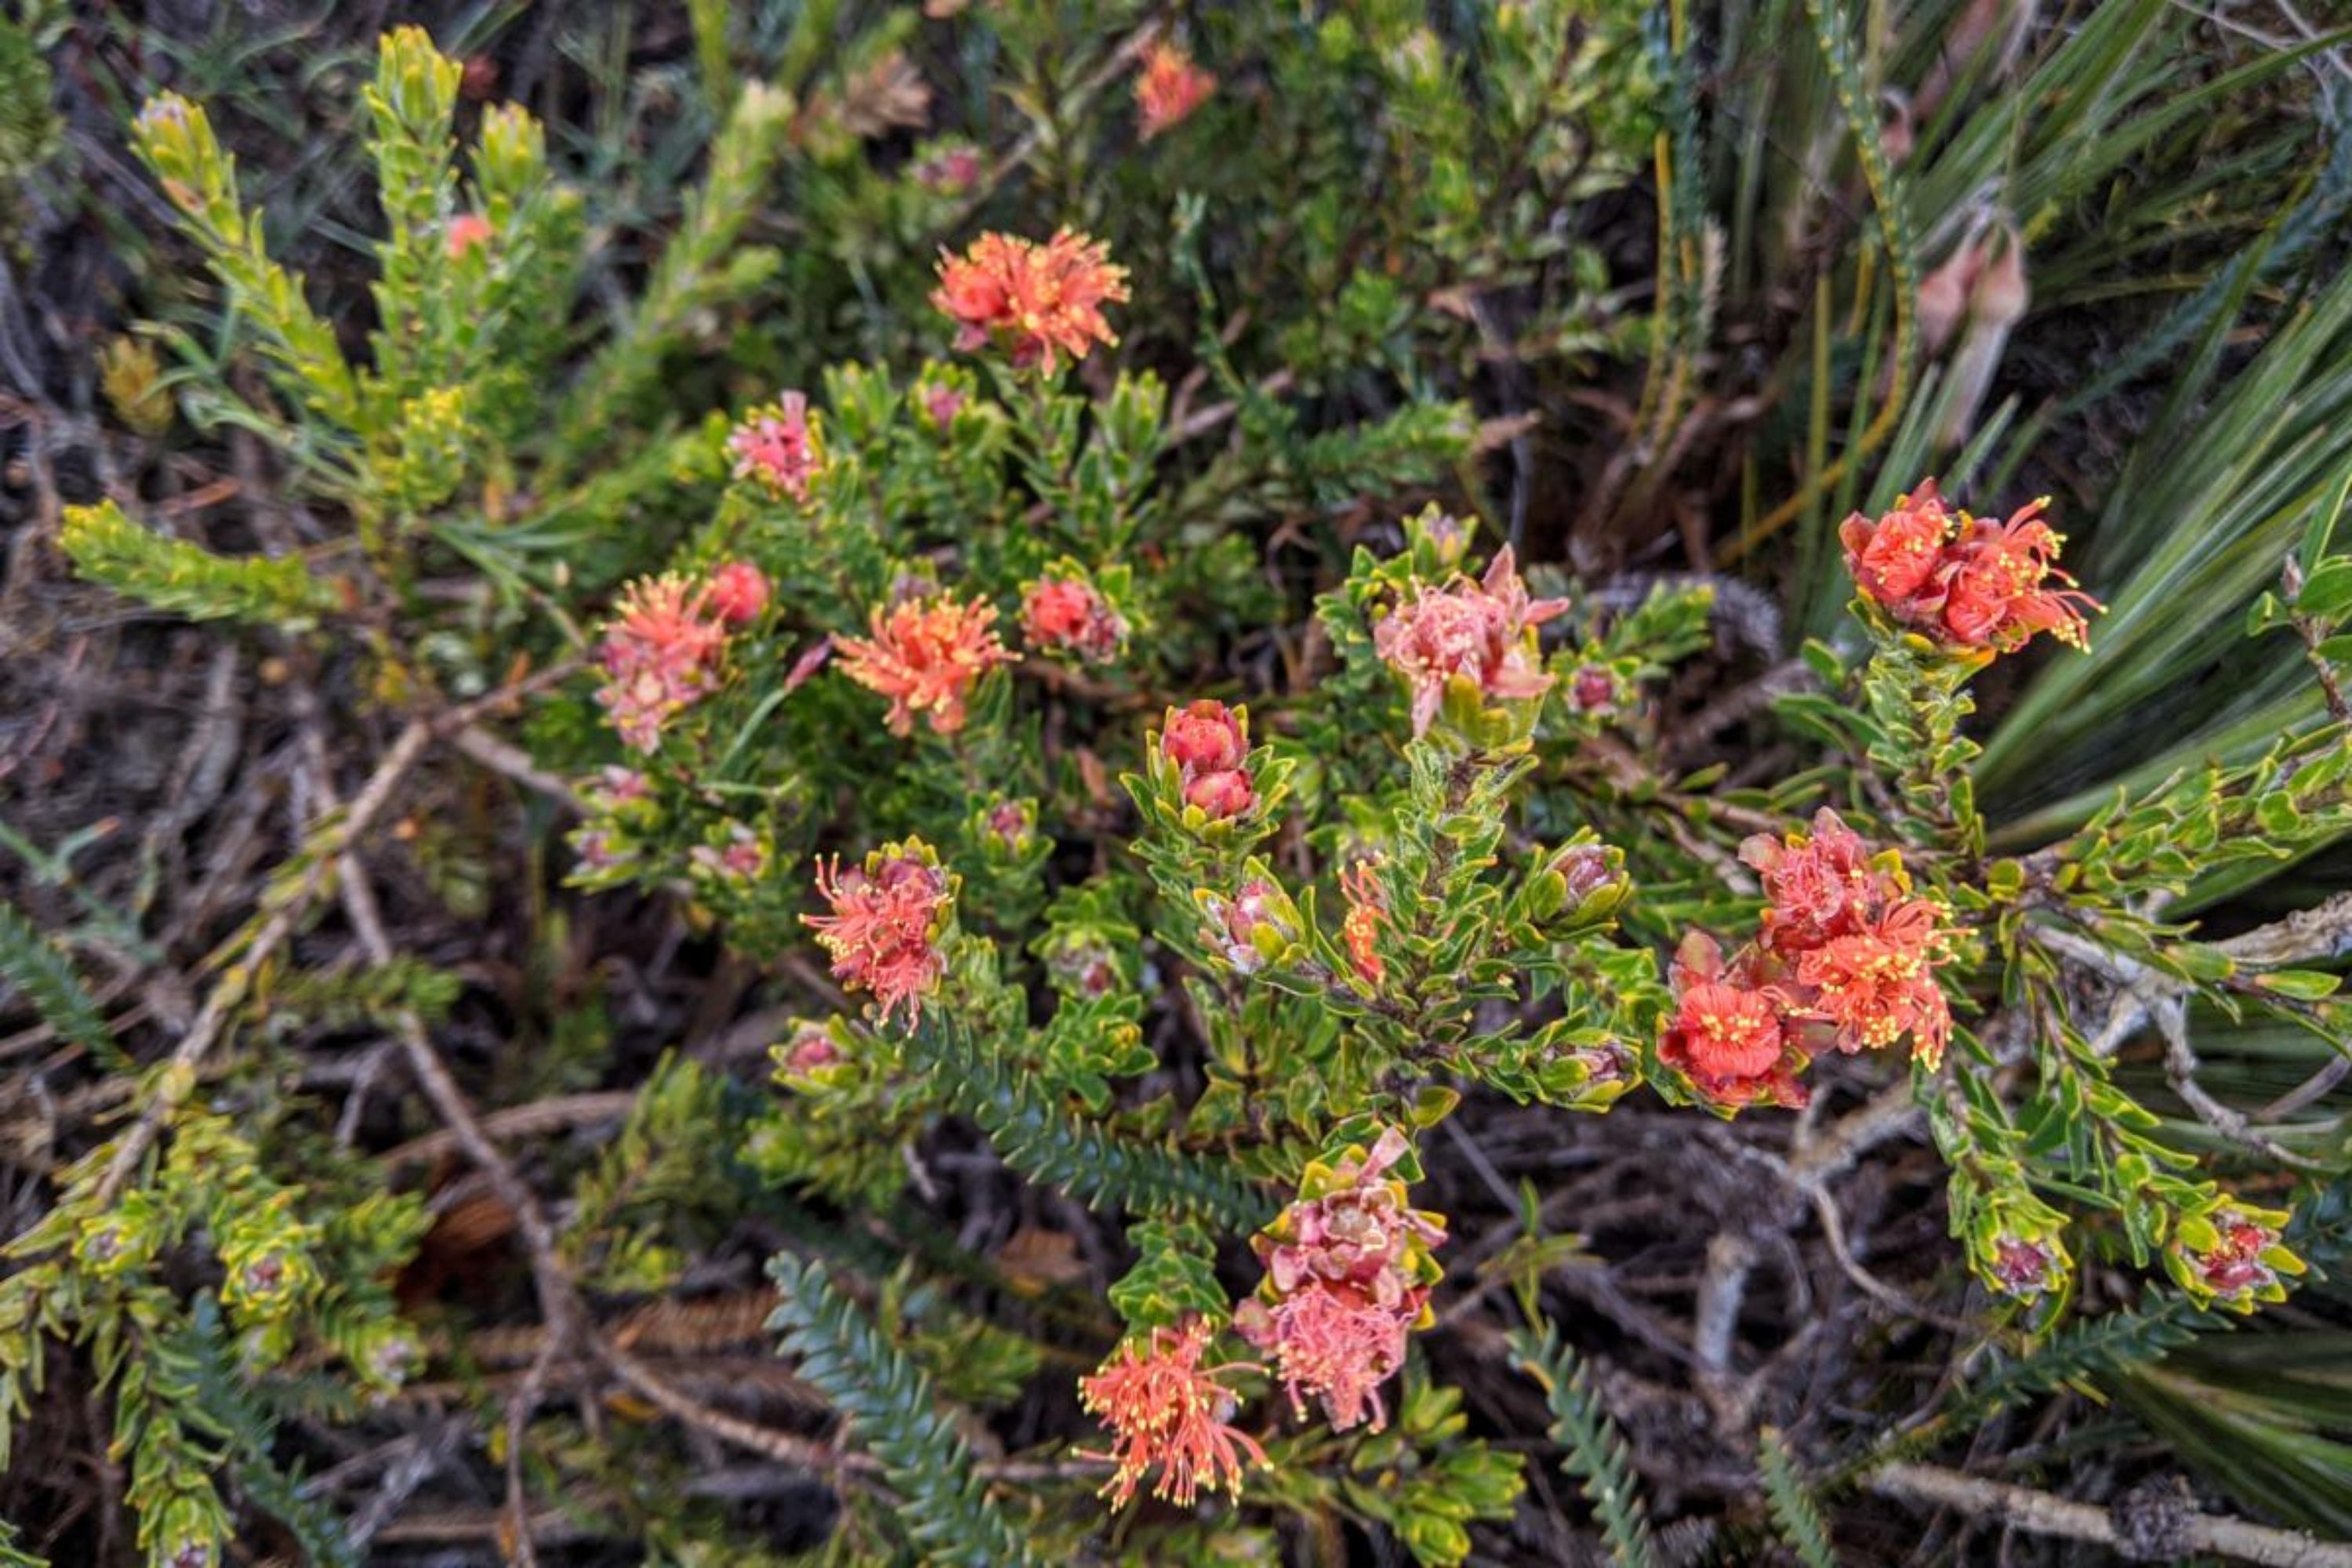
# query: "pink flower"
{"type": "Point", "coordinates": [950, 170]}
{"type": "Point", "coordinates": [925, 656]}
{"type": "Point", "coordinates": [1481, 633]}
{"type": "Point", "coordinates": [1221, 795]}
{"type": "Point", "coordinates": [1204, 737]}
{"type": "Point", "coordinates": [466, 231]}
{"type": "Point", "coordinates": [810, 1048]}
{"type": "Point", "coordinates": [1168, 89]}
{"type": "Point", "coordinates": [739, 592]}
{"type": "Point", "coordinates": [1348, 1269]}
{"type": "Point", "coordinates": [781, 447]}
{"type": "Point", "coordinates": [1035, 299]}
{"type": "Point", "coordinates": [1167, 1412]}
{"type": "Point", "coordinates": [2233, 1268]}
{"type": "Point", "coordinates": [1071, 616]}
{"type": "Point", "coordinates": [885, 923]}
{"type": "Point", "coordinates": [742, 858]}
{"type": "Point", "coordinates": [942, 404]}
{"type": "Point", "coordinates": [1330, 1344]}
{"type": "Point", "coordinates": [1235, 923]}
{"type": "Point", "coordinates": [2025, 1269]}
{"type": "Point", "coordinates": [660, 654]}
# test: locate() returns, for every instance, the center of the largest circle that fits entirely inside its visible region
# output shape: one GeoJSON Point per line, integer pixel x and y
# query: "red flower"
{"type": "Point", "coordinates": [1818, 886]}
{"type": "Point", "coordinates": [660, 653]}
{"type": "Point", "coordinates": [1727, 1033]}
{"type": "Point", "coordinates": [1205, 737]}
{"type": "Point", "coordinates": [1166, 1411]}
{"type": "Point", "coordinates": [885, 923]}
{"type": "Point", "coordinates": [1068, 614]}
{"type": "Point", "coordinates": [781, 447]}
{"type": "Point", "coordinates": [1963, 580]}
{"type": "Point", "coordinates": [1482, 632]}
{"type": "Point", "coordinates": [925, 656]}
{"type": "Point", "coordinates": [1169, 88]}
{"type": "Point", "coordinates": [1879, 984]}
{"type": "Point", "coordinates": [1035, 299]}
{"type": "Point", "coordinates": [739, 592]}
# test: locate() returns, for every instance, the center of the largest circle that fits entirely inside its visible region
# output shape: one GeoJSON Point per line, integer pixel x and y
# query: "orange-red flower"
{"type": "Point", "coordinates": [1878, 984]}
{"type": "Point", "coordinates": [1892, 559]}
{"type": "Point", "coordinates": [1819, 886]}
{"type": "Point", "coordinates": [1069, 614]}
{"type": "Point", "coordinates": [1964, 581]}
{"type": "Point", "coordinates": [925, 656]}
{"type": "Point", "coordinates": [660, 654]}
{"type": "Point", "coordinates": [1035, 299]}
{"type": "Point", "coordinates": [885, 922]}
{"type": "Point", "coordinates": [1480, 632]}
{"type": "Point", "coordinates": [2000, 597]}
{"type": "Point", "coordinates": [1167, 1412]}
{"type": "Point", "coordinates": [1728, 1033]}
{"type": "Point", "coordinates": [1169, 88]}
{"type": "Point", "coordinates": [779, 446]}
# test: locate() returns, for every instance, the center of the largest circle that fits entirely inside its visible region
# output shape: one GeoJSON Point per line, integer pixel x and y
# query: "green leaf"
{"type": "Point", "coordinates": [189, 580]}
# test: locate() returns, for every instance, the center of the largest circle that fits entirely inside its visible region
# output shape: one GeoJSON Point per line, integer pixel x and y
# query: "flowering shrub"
{"type": "Point", "coordinates": [1162, 815]}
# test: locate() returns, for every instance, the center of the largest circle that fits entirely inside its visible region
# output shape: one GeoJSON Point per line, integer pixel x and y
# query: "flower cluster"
{"type": "Point", "coordinates": [1069, 614]}
{"type": "Point", "coordinates": [1035, 300]}
{"type": "Point", "coordinates": [661, 649]}
{"type": "Point", "coordinates": [925, 656]}
{"type": "Point", "coordinates": [888, 925]}
{"type": "Point", "coordinates": [1168, 1412]}
{"type": "Point", "coordinates": [781, 447]}
{"type": "Point", "coordinates": [1479, 633]}
{"type": "Point", "coordinates": [1962, 580]}
{"type": "Point", "coordinates": [1169, 88]}
{"type": "Point", "coordinates": [1209, 744]}
{"type": "Point", "coordinates": [1845, 958]}
{"type": "Point", "coordinates": [1348, 1274]}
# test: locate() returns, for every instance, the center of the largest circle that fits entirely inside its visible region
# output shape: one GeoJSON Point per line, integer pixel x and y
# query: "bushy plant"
{"type": "Point", "coordinates": [1096, 709]}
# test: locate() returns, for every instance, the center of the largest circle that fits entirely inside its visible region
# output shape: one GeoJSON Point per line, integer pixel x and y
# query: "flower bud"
{"type": "Point", "coordinates": [1205, 738]}
{"type": "Point", "coordinates": [739, 592]}
{"type": "Point", "coordinates": [1221, 795]}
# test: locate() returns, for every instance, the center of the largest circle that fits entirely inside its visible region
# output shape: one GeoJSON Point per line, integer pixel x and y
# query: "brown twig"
{"type": "Point", "coordinates": [2045, 1514]}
